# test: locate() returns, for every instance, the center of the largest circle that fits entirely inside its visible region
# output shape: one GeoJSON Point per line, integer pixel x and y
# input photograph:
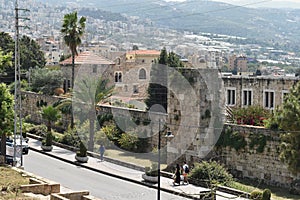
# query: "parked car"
{"type": "Point", "coordinates": [10, 145]}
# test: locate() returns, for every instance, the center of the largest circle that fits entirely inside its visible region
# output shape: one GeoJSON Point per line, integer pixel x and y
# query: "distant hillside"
{"type": "Point", "coordinates": [279, 26]}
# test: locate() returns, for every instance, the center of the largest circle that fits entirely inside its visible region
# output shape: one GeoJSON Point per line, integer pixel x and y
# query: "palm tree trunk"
{"type": "Point", "coordinates": [92, 131]}
{"type": "Point", "coordinates": [73, 77]}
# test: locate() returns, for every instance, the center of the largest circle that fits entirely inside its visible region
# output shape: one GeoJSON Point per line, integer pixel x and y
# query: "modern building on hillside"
{"type": "Point", "coordinates": [238, 63]}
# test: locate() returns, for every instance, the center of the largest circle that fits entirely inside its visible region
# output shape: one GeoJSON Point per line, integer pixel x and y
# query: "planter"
{"type": "Point", "coordinates": [82, 159]}
{"type": "Point", "coordinates": [151, 179]}
{"type": "Point", "coordinates": [47, 148]}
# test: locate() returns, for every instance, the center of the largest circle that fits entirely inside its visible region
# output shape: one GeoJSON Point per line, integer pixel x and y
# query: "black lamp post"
{"type": "Point", "coordinates": [168, 135]}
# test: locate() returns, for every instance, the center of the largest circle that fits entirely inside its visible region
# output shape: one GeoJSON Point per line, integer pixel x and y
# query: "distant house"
{"type": "Point", "coordinates": [86, 64]}
{"type": "Point", "coordinates": [142, 56]}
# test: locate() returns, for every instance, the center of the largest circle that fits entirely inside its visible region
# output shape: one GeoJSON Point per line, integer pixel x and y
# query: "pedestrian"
{"type": "Point", "coordinates": [177, 175]}
{"type": "Point", "coordinates": [185, 172]}
{"type": "Point", "coordinates": [101, 151]}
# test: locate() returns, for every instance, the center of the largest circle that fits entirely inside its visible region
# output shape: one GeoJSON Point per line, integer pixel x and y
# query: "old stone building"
{"type": "Point", "coordinates": [265, 91]}
{"type": "Point", "coordinates": [86, 64]}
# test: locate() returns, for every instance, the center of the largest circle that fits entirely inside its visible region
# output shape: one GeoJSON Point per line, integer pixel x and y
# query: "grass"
{"type": "Point", "coordinates": [277, 192]}
{"type": "Point", "coordinates": [139, 159]}
{"type": "Point", "coordinates": [10, 180]}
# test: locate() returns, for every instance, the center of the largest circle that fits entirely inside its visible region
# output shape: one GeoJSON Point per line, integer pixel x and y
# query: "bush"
{"type": "Point", "coordinates": [153, 170]}
{"type": "Point", "coordinates": [211, 172]}
{"type": "Point", "coordinates": [257, 195]}
{"type": "Point", "coordinates": [266, 195]}
{"type": "Point", "coordinates": [82, 150]}
{"type": "Point", "coordinates": [39, 130]}
{"type": "Point", "coordinates": [70, 138]}
{"type": "Point", "coordinates": [128, 141]}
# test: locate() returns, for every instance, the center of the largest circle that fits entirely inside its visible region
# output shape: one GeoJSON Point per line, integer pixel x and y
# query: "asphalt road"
{"type": "Point", "coordinates": [99, 185]}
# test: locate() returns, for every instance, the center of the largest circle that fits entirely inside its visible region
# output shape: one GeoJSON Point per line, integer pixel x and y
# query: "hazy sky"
{"type": "Point", "coordinates": [250, 1]}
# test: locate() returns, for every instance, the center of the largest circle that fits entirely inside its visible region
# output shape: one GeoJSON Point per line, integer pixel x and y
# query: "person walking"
{"type": "Point", "coordinates": [101, 151]}
{"type": "Point", "coordinates": [186, 171]}
{"type": "Point", "coordinates": [177, 175]}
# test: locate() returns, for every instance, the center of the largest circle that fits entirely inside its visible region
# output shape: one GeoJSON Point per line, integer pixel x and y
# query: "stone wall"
{"type": "Point", "coordinates": [248, 162]}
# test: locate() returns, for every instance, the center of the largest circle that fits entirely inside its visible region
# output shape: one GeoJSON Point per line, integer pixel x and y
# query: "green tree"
{"type": "Point", "coordinates": [92, 91]}
{"type": "Point", "coordinates": [287, 118]}
{"type": "Point", "coordinates": [72, 31]}
{"type": "Point", "coordinates": [6, 115]}
{"type": "Point", "coordinates": [7, 44]}
{"type": "Point", "coordinates": [30, 54]}
{"type": "Point", "coordinates": [51, 115]}
{"type": "Point", "coordinates": [157, 90]}
{"type": "Point", "coordinates": [5, 60]}
{"type": "Point", "coordinates": [45, 80]}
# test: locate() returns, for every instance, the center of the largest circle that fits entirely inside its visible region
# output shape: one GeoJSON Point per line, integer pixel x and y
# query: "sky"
{"type": "Point", "coordinates": [257, 3]}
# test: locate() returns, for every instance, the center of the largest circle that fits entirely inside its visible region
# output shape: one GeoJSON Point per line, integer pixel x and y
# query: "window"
{"type": "Point", "coordinates": [247, 97]}
{"type": "Point", "coordinates": [67, 85]}
{"type": "Point", "coordinates": [230, 96]}
{"type": "Point", "coordinates": [284, 94]}
{"type": "Point", "coordinates": [94, 68]}
{"type": "Point", "coordinates": [118, 77]}
{"type": "Point", "coordinates": [142, 74]}
{"type": "Point", "coordinates": [135, 89]}
{"type": "Point", "coordinates": [269, 99]}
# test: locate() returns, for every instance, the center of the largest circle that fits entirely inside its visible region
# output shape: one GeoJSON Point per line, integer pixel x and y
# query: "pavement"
{"type": "Point", "coordinates": [125, 172]}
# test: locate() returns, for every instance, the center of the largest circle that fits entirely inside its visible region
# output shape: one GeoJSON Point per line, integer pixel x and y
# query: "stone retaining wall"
{"type": "Point", "coordinates": [247, 162]}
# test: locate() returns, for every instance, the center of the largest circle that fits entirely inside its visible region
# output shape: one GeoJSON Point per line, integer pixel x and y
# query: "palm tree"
{"type": "Point", "coordinates": [90, 92]}
{"type": "Point", "coordinates": [50, 114]}
{"type": "Point", "coordinates": [72, 31]}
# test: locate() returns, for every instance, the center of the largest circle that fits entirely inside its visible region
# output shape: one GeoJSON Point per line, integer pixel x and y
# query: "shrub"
{"type": "Point", "coordinates": [128, 141]}
{"type": "Point", "coordinates": [251, 115]}
{"type": "Point", "coordinates": [82, 150]}
{"type": "Point", "coordinates": [211, 172]}
{"type": "Point", "coordinates": [70, 138]}
{"type": "Point", "coordinates": [153, 170]}
{"type": "Point", "coordinates": [266, 195]}
{"type": "Point", "coordinates": [256, 195]}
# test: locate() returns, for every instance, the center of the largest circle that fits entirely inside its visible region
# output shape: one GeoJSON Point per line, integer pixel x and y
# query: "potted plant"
{"type": "Point", "coordinates": [47, 142]}
{"type": "Point", "coordinates": [50, 114]}
{"type": "Point", "coordinates": [151, 173]}
{"type": "Point", "coordinates": [81, 155]}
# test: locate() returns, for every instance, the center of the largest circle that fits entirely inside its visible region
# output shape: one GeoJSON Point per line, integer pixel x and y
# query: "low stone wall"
{"type": "Point", "coordinates": [250, 163]}
{"type": "Point", "coordinates": [81, 195]}
{"type": "Point", "coordinates": [39, 187]}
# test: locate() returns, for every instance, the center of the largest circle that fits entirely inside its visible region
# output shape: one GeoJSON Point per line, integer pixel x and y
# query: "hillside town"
{"type": "Point", "coordinates": [122, 100]}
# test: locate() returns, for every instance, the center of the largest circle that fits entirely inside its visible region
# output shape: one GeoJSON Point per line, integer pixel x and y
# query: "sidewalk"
{"type": "Point", "coordinates": [125, 173]}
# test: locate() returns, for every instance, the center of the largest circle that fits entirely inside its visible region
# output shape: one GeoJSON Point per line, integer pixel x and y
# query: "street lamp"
{"type": "Point", "coordinates": [168, 135]}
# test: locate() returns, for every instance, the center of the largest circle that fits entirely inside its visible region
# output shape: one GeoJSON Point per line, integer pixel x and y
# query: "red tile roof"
{"type": "Point", "coordinates": [87, 57]}
{"type": "Point", "coordinates": [144, 52]}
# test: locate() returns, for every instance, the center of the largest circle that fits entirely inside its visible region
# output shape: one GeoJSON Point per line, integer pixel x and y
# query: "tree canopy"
{"type": "Point", "coordinates": [45, 80]}
{"type": "Point", "coordinates": [157, 90]}
{"type": "Point", "coordinates": [6, 115]}
{"type": "Point", "coordinates": [30, 53]}
{"type": "Point", "coordinates": [287, 118]}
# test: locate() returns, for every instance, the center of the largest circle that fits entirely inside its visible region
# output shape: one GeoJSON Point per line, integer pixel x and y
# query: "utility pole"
{"type": "Point", "coordinates": [17, 93]}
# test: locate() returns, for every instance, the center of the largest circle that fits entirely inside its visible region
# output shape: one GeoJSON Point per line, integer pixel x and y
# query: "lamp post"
{"type": "Point", "coordinates": [168, 135]}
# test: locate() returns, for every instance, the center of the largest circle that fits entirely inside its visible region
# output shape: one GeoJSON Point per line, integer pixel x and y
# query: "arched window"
{"type": "Point", "coordinates": [142, 74]}
{"type": "Point", "coordinates": [118, 77]}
